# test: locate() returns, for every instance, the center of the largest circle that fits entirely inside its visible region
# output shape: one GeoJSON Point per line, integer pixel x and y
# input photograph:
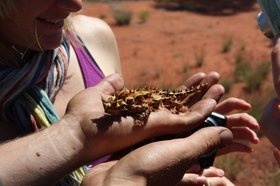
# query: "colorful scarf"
{"type": "Point", "coordinates": [26, 95]}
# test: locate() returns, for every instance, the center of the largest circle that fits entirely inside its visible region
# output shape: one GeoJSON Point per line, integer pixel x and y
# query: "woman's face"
{"type": "Point", "coordinates": [46, 17]}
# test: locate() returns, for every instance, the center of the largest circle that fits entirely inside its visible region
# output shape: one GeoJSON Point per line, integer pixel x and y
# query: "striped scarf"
{"type": "Point", "coordinates": [26, 94]}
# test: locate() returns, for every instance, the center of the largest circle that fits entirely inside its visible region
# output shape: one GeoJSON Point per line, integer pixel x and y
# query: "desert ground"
{"type": "Point", "coordinates": [171, 43]}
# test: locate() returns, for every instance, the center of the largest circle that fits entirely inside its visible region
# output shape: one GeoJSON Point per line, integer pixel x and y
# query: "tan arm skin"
{"type": "Point", "coordinates": [162, 163]}
{"type": "Point", "coordinates": [139, 169]}
{"type": "Point", "coordinates": [85, 133]}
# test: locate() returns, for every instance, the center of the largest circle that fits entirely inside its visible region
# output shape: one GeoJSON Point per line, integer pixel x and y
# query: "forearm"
{"type": "Point", "coordinates": [43, 157]}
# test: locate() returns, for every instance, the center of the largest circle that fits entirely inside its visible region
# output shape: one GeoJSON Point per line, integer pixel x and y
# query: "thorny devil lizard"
{"type": "Point", "coordinates": [139, 103]}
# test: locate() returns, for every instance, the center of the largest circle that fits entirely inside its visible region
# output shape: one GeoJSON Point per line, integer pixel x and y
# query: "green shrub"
{"type": "Point", "coordinates": [102, 16]}
{"type": "Point", "coordinates": [254, 79]}
{"type": "Point", "coordinates": [143, 16]}
{"type": "Point", "coordinates": [241, 68]}
{"type": "Point", "coordinates": [199, 59]}
{"type": "Point", "coordinates": [122, 16]}
{"type": "Point", "coordinates": [227, 45]}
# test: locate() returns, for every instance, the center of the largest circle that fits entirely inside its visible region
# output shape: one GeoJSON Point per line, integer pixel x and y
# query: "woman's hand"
{"type": "Point", "coordinates": [103, 134]}
{"type": "Point", "coordinates": [270, 120]}
{"type": "Point", "coordinates": [165, 162]}
{"type": "Point", "coordinates": [242, 125]}
{"type": "Point", "coordinates": [210, 176]}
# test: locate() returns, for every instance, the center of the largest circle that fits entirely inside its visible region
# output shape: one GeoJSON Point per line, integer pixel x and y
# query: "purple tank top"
{"type": "Point", "coordinates": [92, 74]}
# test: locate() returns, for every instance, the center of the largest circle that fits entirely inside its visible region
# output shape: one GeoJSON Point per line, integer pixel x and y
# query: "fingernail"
{"type": "Point", "coordinates": [220, 172]}
{"type": "Point", "coordinates": [200, 180]}
{"type": "Point", "coordinates": [226, 137]}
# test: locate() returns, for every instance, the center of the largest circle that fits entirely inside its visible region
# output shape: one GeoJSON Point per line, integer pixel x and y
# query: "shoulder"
{"type": "Point", "coordinates": [100, 40]}
{"type": "Point", "coordinates": [88, 27]}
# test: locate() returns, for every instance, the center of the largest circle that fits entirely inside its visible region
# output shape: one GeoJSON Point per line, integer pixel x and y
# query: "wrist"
{"type": "Point", "coordinates": [71, 126]}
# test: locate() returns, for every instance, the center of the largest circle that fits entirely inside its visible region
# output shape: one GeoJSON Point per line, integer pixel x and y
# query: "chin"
{"type": "Point", "coordinates": [49, 43]}
{"type": "Point", "coordinates": [51, 46]}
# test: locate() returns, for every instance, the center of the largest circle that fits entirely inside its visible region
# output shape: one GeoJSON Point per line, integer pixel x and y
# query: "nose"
{"type": "Point", "coordinates": [70, 5]}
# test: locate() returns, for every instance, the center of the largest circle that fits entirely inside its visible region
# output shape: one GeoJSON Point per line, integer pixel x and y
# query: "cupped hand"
{"type": "Point", "coordinates": [270, 118]}
{"type": "Point", "coordinates": [164, 162]}
{"type": "Point", "coordinates": [104, 134]}
{"type": "Point", "coordinates": [241, 124]}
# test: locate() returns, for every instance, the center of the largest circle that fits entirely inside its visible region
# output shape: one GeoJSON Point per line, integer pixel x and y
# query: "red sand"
{"type": "Point", "coordinates": [165, 49]}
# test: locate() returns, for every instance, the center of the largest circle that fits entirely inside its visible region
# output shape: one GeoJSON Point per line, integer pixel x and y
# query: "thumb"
{"type": "Point", "coordinates": [207, 140]}
{"type": "Point", "coordinates": [176, 155]}
{"type": "Point", "coordinates": [110, 84]}
{"type": "Point", "coordinates": [182, 152]}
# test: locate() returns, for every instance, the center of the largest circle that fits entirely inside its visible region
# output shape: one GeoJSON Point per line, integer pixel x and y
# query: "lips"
{"type": "Point", "coordinates": [51, 23]}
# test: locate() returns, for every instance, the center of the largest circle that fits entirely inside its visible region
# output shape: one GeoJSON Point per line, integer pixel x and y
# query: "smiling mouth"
{"type": "Point", "coordinates": [50, 21]}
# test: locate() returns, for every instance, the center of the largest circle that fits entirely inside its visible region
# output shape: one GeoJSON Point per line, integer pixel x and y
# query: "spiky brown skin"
{"type": "Point", "coordinates": [139, 103]}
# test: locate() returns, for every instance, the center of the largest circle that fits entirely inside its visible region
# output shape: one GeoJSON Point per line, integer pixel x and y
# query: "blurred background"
{"type": "Point", "coordinates": [162, 42]}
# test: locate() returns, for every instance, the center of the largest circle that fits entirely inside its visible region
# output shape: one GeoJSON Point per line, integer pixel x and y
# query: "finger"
{"type": "Point", "coordinates": [186, 121]}
{"type": "Point", "coordinates": [193, 80]}
{"type": "Point", "coordinates": [275, 57]}
{"type": "Point", "coordinates": [242, 119]}
{"type": "Point", "coordinates": [204, 141]}
{"type": "Point", "coordinates": [195, 180]}
{"type": "Point", "coordinates": [228, 182]}
{"type": "Point", "coordinates": [213, 172]}
{"type": "Point", "coordinates": [209, 172]}
{"type": "Point", "coordinates": [231, 104]}
{"type": "Point", "coordinates": [190, 179]}
{"type": "Point", "coordinates": [110, 84]}
{"type": "Point", "coordinates": [244, 133]}
{"type": "Point", "coordinates": [216, 181]}
{"type": "Point", "coordinates": [211, 78]}
{"type": "Point", "coordinates": [214, 92]}
{"type": "Point", "coordinates": [199, 78]}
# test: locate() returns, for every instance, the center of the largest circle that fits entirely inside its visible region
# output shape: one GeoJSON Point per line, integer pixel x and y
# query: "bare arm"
{"type": "Point", "coordinates": [43, 156]}
{"type": "Point", "coordinates": [162, 163]}
{"type": "Point", "coordinates": [86, 133]}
